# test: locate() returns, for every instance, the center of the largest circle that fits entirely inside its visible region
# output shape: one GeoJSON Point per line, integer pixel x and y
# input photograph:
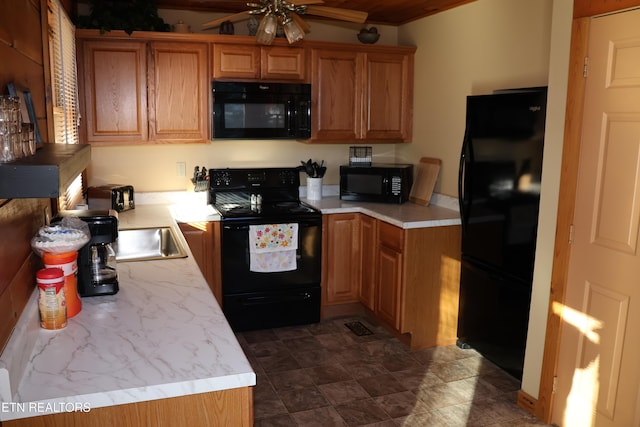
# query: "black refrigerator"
{"type": "Point", "coordinates": [499, 193]}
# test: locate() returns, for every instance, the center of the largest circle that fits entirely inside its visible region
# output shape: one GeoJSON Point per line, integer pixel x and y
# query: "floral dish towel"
{"type": "Point", "coordinates": [272, 247]}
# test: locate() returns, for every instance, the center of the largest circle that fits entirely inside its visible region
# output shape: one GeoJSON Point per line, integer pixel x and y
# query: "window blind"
{"type": "Point", "coordinates": [62, 53]}
{"type": "Point", "coordinates": [64, 91]}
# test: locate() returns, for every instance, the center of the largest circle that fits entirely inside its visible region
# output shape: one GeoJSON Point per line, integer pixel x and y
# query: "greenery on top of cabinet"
{"type": "Point", "coordinates": [127, 15]}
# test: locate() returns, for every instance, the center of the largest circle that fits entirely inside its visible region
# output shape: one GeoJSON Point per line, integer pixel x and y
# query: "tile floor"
{"type": "Point", "coordinates": [325, 375]}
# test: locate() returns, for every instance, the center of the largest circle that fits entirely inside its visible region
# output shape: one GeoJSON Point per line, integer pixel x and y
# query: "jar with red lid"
{"type": "Point", "coordinates": [51, 298]}
{"type": "Point", "coordinates": [68, 262]}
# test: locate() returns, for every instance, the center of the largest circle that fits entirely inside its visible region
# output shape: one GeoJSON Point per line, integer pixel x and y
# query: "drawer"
{"type": "Point", "coordinates": [391, 236]}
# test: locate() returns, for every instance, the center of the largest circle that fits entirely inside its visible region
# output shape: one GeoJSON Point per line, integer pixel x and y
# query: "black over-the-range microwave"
{"type": "Point", "coordinates": [251, 110]}
{"type": "Point", "coordinates": [384, 183]}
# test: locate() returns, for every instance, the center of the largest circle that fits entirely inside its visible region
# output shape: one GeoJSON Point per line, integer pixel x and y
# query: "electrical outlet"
{"type": "Point", "coordinates": [181, 169]}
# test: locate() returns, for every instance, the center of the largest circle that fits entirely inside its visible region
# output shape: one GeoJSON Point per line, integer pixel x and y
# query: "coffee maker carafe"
{"type": "Point", "coordinates": [97, 274]}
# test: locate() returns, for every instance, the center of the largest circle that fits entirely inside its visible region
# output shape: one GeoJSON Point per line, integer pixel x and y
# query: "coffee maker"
{"type": "Point", "coordinates": [97, 274]}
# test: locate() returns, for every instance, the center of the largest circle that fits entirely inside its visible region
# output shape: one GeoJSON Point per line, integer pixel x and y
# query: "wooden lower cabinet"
{"type": "Point", "coordinates": [389, 286]}
{"type": "Point", "coordinates": [341, 258]}
{"type": "Point", "coordinates": [232, 407]}
{"type": "Point", "coordinates": [431, 280]}
{"type": "Point", "coordinates": [369, 244]}
{"type": "Point", "coordinates": [203, 239]}
{"type": "Point", "coordinates": [408, 279]}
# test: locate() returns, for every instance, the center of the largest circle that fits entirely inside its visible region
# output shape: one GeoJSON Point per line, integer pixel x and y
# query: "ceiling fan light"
{"type": "Point", "coordinates": [292, 30]}
{"type": "Point", "coordinates": [267, 29]}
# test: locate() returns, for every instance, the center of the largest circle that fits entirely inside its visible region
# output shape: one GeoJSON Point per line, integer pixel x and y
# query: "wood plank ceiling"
{"type": "Point", "coordinates": [390, 12]}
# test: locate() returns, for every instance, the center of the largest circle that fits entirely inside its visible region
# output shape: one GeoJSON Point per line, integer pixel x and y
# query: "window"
{"type": "Point", "coordinates": [64, 75]}
{"type": "Point", "coordinates": [64, 88]}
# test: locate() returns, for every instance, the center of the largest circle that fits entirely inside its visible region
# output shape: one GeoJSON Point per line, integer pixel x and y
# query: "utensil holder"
{"type": "Point", "coordinates": [201, 185]}
{"type": "Point", "coordinates": [314, 188]}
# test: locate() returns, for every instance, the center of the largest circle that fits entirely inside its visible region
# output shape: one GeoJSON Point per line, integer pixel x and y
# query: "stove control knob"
{"type": "Point", "coordinates": [287, 177]}
{"type": "Point", "coordinates": [220, 178]}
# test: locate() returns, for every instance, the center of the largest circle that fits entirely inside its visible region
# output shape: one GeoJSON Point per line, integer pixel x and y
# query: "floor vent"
{"type": "Point", "coordinates": [358, 328]}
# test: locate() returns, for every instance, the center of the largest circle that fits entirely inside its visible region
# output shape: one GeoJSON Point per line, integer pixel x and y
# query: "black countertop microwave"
{"type": "Point", "coordinates": [251, 110]}
{"type": "Point", "coordinates": [382, 182]}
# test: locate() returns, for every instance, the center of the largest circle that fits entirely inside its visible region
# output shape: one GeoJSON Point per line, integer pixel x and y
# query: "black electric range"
{"type": "Point", "coordinates": [262, 197]}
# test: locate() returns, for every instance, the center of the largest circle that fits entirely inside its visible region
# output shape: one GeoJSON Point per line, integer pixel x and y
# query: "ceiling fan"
{"type": "Point", "coordinates": [287, 14]}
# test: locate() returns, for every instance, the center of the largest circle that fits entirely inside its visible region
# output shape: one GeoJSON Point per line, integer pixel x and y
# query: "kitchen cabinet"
{"type": "Point", "coordinates": [418, 282]}
{"type": "Point", "coordinates": [113, 76]}
{"type": "Point", "coordinates": [141, 91]}
{"type": "Point", "coordinates": [336, 82]}
{"type": "Point", "coordinates": [259, 62]}
{"type": "Point", "coordinates": [431, 285]}
{"type": "Point", "coordinates": [203, 239]}
{"type": "Point", "coordinates": [369, 244]}
{"type": "Point", "coordinates": [178, 92]}
{"type": "Point", "coordinates": [232, 407]}
{"type": "Point", "coordinates": [408, 279]}
{"type": "Point", "coordinates": [388, 97]}
{"type": "Point", "coordinates": [389, 283]}
{"type": "Point", "coordinates": [341, 263]}
{"type": "Point", "coordinates": [362, 96]}
{"type": "Point", "coordinates": [131, 86]}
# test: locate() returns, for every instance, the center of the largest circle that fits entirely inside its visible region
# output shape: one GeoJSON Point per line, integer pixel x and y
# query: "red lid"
{"type": "Point", "coordinates": [49, 274]}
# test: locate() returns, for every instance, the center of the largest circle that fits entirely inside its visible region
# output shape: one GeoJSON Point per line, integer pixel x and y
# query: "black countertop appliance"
{"type": "Point", "coordinates": [97, 273]}
{"type": "Point", "coordinates": [499, 193]}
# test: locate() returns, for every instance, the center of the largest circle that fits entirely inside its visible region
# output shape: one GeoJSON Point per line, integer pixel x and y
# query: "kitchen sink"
{"type": "Point", "coordinates": [144, 244]}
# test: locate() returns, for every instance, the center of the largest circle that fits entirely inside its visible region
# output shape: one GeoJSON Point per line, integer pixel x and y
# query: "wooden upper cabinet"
{"type": "Point", "coordinates": [388, 97]}
{"type": "Point", "coordinates": [144, 91]}
{"type": "Point", "coordinates": [283, 63]}
{"type": "Point", "coordinates": [362, 96]}
{"type": "Point", "coordinates": [337, 82]}
{"type": "Point", "coordinates": [178, 92]}
{"type": "Point", "coordinates": [256, 62]}
{"type": "Point", "coordinates": [114, 74]}
{"type": "Point", "coordinates": [236, 61]}
{"type": "Point", "coordinates": [156, 87]}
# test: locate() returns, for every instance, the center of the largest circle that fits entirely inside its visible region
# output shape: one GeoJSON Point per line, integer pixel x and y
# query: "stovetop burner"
{"type": "Point", "coordinates": [230, 210]}
{"type": "Point", "coordinates": [269, 193]}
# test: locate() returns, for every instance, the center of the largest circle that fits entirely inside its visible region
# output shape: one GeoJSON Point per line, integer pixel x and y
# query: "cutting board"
{"type": "Point", "coordinates": [425, 180]}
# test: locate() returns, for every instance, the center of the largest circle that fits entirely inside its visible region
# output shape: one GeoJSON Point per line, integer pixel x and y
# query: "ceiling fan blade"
{"type": "Point", "coordinates": [337, 13]}
{"type": "Point", "coordinates": [306, 2]}
{"type": "Point", "coordinates": [217, 22]}
{"type": "Point", "coordinates": [305, 27]}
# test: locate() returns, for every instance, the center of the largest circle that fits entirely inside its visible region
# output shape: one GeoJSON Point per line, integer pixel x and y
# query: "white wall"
{"type": "Point", "coordinates": [470, 50]}
{"type": "Point", "coordinates": [153, 167]}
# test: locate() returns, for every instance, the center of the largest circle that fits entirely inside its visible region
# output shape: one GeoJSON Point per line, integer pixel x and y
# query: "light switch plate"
{"type": "Point", "coordinates": [181, 169]}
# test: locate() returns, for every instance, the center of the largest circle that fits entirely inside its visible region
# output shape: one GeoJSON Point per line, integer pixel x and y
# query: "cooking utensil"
{"type": "Point", "coordinates": [313, 169]}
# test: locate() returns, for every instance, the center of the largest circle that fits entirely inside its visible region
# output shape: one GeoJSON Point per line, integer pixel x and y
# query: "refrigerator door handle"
{"type": "Point", "coordinates": [461, 179]}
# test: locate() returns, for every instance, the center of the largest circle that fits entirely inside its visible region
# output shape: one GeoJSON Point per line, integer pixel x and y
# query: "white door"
{"type": "Point", "coordinates": [599, 360]}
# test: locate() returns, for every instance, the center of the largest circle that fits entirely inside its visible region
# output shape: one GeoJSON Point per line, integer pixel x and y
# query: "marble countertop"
{"type": "Point", "coordinates": [406, 215]}
{"type": "Point", "coordinates": [162, 335]}
{"type": "Point", "coordinates": [442, 211]}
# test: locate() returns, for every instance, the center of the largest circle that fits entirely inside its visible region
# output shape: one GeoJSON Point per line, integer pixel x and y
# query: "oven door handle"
{"type": "Point", "coordinates": [235, 227]}
{"type": "Point", "coordinates": [301, 224]}
{"type": "Point", "coordinates": [262, 300]}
